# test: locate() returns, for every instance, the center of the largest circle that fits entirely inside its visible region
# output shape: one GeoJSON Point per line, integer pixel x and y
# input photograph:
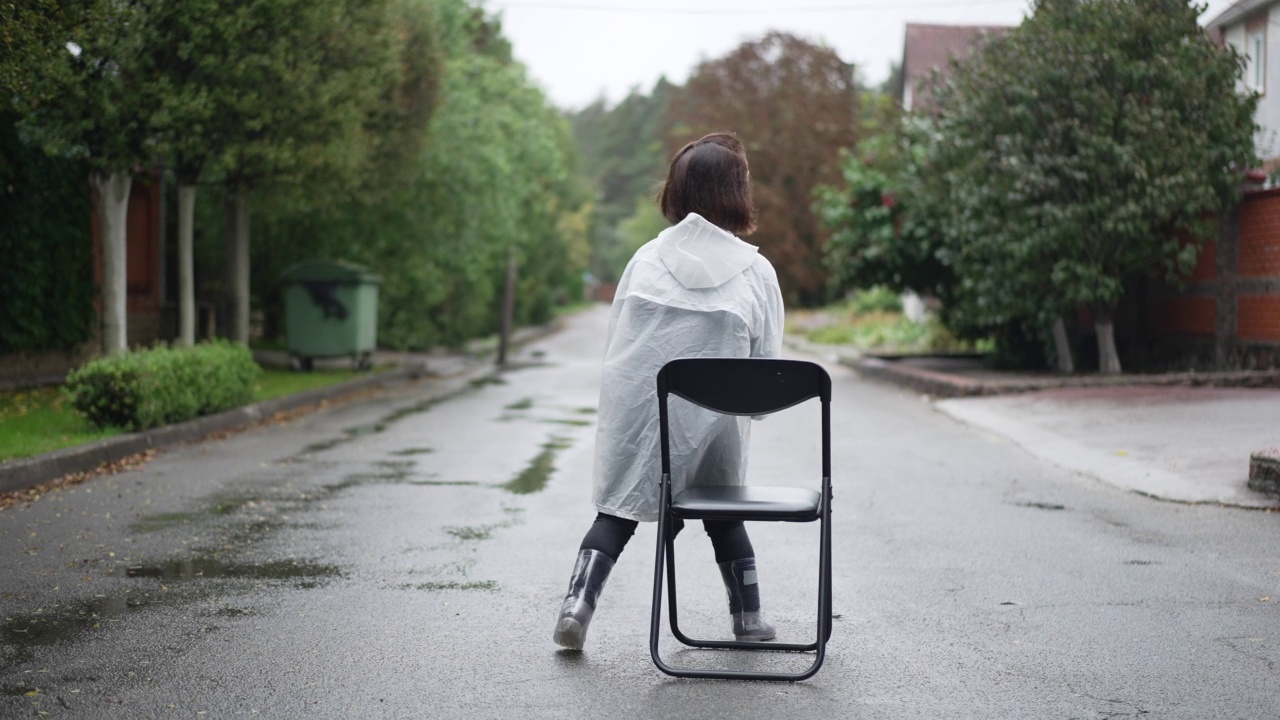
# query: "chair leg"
{"type": "Point", "coordinates": [655, 612]}
{"type": "Point", "coordinates": [672, 603]}
{"type": "Point", "coordinates": [665, 554]}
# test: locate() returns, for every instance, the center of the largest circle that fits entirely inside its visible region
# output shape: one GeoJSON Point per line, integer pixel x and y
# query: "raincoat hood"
{"type": "Point", "coordinates": [701, 255]}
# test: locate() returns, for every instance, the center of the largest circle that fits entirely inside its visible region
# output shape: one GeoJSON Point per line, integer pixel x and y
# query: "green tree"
{"type": "Point", "coordinates": [78, 75]}
{"type": "Point", "coordinates": [624, 158]}
{"type": "Point", "coordinates": [1079, 152]}
{"type": "Point", "coordinates": [260, 91]}
{"type": "Point", "coordinates": [879, 233]}
{"type": "Point", "coordinates": [795, 105]}
{"type": "Point", "coordinates": [304, 98]}
{"type": "Point", "coordinates": [493, 180]}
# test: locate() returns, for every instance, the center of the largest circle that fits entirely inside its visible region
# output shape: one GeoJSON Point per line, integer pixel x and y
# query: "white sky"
{"type": "Point", "coordinates": [579, 50]}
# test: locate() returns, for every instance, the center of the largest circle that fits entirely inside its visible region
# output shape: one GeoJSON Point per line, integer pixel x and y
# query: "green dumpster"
{"type": "Point", "coordinates": [330, 310]}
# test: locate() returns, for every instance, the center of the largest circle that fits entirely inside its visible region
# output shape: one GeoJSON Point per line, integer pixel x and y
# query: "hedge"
{"type": "Point", "coordinates": [46, 243]}
{"type": "Point", "coordinates": [163, 385]}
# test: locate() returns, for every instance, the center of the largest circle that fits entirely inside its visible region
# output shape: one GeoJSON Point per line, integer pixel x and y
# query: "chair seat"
{"type": "Point", "coordinates": [785, 504]}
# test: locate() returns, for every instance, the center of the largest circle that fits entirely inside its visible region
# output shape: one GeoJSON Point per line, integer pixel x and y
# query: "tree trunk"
{"type": "Point", "coordinates": [186, 264]}
{"type": "Point", "coordinates": [112, 191]}
{"type": "Point", "coordinates": [1062, 348]}
{"type": "Point", "coordinates": [238, 264]}
{"type": "Point", "coordinates": [1108, 359]}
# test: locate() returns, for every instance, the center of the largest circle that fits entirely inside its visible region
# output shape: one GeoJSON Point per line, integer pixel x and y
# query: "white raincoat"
{"type": "Point", "coordinates": [694, 291]}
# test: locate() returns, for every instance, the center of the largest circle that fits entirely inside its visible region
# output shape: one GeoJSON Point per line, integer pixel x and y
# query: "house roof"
{"type": "Point", "coordinates": [1237, 12]}
{"type": "Point", "coordinates": [930, 47]}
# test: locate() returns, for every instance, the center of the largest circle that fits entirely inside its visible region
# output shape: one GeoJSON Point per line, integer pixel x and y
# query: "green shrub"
{"type": "Point", "coordinates": [163, 385]}
{"type": "Point", "coordinates": [878, 298]}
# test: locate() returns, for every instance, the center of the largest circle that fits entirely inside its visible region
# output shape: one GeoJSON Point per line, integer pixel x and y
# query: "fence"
{"type": "Point", "coordinates": [1231, 305]}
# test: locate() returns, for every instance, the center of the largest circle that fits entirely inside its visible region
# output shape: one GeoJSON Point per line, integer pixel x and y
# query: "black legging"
{"type": "Point", "coordinates": [609, 534]}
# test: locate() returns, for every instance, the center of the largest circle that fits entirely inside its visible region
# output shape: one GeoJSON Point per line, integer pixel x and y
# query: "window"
{"type": "Point", "coordinates": [1256, 55]}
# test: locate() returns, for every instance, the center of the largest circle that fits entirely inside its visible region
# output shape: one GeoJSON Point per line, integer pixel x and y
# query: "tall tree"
{"type": "Point", "coordinates": [492, 180]}
{"type": "Point", "coordinates": [262, 90]}
{"type": "Point", "coordinates": [624, 157]}
{"type": "Point", "coordinates": [78, 75]}
{"type": "Point", "coordinates": [302, 110]}
{"type": "Point", "coordinates": [1081, 150]}
{"type": "Point", "coordinates": [794, 104]}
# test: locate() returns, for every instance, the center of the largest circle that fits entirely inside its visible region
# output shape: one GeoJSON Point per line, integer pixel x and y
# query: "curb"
{"type": "Point", "coordinates": [24, 473]}
{"type": "Point", "coordinates": [949, 385]}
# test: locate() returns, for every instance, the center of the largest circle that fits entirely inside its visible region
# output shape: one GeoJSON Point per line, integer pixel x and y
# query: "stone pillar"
{"type": "Point", "coordinates": [1224, 327]}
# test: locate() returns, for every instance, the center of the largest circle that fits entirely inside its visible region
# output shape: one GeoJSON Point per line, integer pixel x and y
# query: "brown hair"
{"type": "Point", "coordinates": [709, 177]}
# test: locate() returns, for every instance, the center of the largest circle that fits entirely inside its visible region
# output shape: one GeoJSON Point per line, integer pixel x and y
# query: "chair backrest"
{"type": "Point", "coordinates": [744, 386]}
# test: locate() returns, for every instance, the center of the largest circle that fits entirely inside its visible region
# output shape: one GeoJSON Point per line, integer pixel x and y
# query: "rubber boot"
{"type": "Point", "coordinates": [589, 574]}
{"type": "Point", "coordinates": [743, 586]}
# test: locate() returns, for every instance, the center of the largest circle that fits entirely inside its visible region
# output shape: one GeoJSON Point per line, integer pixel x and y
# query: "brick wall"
{"type": "Point", "coordinates": [1231, 302]}
{"type": "Point", "coordinates": [1258, 318]}
{"type": "Point", "coordinates": [1260, 236]}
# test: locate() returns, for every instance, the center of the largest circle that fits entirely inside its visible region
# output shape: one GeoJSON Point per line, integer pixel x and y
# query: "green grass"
{"type": "Point", "coordinates": [278, 383]}
{"type": "Point", "coordinates": [42, 420]}
{"type": "Point", "coordinates": [872, 321]}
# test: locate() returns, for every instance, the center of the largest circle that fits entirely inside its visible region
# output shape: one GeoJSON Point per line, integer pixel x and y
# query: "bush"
{"type": "Point", "coordinates": [878, 298]}
{"type": "Point", "coordinates": [163, 385]}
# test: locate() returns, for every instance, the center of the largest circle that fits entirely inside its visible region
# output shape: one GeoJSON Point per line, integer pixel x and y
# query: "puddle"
{"type": "Point", "coordinates": [193, 568]}
{"type": "Point", "coordinates": [485, 585]}
{"type": "Point", "coordinates": [1042, 506]}
{"type": "Point", "coordinates": [523, 404]}
{"type": "Point", "coordinates": [67, 622]}
{"type": "Point", "coordinates": [217, 506]}
{"type": "Point", "coordinates": [234, 612]}
{"type": "Point", "coordinates": [77, 620]}
{"type": "Point", "coordinates": [393, 472]}
{"type": "Point", "coordinates": [351, 433]}
{"type": "Point", "coordinates": [558, 442]}
{"type": "Point", "coordinates": [414, 451]}
{"type": "Point", "coordinates": [472, 532]}
{"type": "Point", "coordinates": [397, 465]}
{"type": "Point", "coordinates": [322, 446]}
{"type": "Point", "coordinates": [534, 477]}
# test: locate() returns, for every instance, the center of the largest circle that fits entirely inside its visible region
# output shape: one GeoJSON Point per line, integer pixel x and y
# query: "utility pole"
{"type": "Point", "coordinates": [508, 308]}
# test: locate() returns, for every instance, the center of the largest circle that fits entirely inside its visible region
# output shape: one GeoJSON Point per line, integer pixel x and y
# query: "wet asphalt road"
{"type": "Point", "coordinates": [404, 556]}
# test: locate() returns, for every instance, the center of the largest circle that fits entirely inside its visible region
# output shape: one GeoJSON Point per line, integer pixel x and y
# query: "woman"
{"type": "Point", "coordinates": [694, 291]}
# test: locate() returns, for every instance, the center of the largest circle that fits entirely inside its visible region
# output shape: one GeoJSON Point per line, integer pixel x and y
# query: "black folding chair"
{"type": "Point", "coordinates": [740, 386]}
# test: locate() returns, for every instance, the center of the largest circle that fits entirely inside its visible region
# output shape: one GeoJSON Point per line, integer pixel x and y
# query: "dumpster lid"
{"type": "Point", "coordinates": [328, 271]}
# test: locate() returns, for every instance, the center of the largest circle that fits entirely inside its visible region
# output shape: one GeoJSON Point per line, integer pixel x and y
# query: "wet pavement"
{"type": "Point", "coordinates": [1184, 444]}
{"type": "Point", "coordinates": [404, 556]}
